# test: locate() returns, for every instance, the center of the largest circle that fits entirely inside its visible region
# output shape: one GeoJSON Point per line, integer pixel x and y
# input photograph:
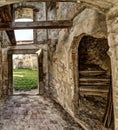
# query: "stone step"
{"type": "Point", "coordinates": [94, 81]}
{"type": "Point", "coordinates": [93, 92]}
{"type": "Point", "coordinates": [90, 67]}
{"type": "Point", "coordinates": [91, 72]}
{"type": "Point", "coordinates": [105, 87]}
{"type": "Point", "coordinates": [93, 84]}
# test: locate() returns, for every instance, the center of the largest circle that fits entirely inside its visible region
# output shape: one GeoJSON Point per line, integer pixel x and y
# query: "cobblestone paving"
{"type": "Point", "coordinates": [32, 113]}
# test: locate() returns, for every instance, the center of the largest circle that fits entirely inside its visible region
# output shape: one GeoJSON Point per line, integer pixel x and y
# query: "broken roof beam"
{"type": "Point", "coordinates": [5, 15]}
{"type": "Point", "coordinates": [55, 24]}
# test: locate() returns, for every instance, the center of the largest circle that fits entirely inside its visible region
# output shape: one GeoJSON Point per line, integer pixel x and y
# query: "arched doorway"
{"type": "Point", "coordinates": [95, 87]}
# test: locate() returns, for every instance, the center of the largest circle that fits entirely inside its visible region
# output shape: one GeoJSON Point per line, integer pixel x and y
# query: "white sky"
{"type": "Point", "coordinates": [24, 34]}
{"type": "Point", "coordinates": [18, 55]}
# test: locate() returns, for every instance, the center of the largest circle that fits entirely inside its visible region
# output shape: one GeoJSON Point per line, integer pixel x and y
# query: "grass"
{"type": "Point", "coordinates": [25, 79]}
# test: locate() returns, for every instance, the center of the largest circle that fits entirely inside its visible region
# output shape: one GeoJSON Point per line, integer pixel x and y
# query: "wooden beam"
{"type": "Point", "coordinates": [36, 25]}
{"type": "Point", "coordinates": [5, 26]}
{"type": "Point", "coordinates": [44, 1]}
{"type": "Point", "coordinates": [42, 24]}
{"type": "Point", "coordinates": [23, 51]}
{"type": "Point", "coordinates": [5, 15]}
{"type": "Point", "coordinates": [93, 92]}
{"type": "Point", "coordinates": [11, 36]}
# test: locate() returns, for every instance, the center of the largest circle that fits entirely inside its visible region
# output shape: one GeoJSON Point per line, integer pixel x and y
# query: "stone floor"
{"type": "Point", "coordinates": [91, 111]}
{"type": "Point", "coordinates": [30, 92]}
{"type": "Point", "coordinates": [26, 112]}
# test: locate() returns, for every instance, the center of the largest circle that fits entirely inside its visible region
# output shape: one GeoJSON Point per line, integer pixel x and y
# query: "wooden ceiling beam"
{"type": "Point", "coordinates": [5, 15]}
{"type": "Point", "coordinates": [54, 24]}
{"type": "Point", "coordinates": [44, 0]}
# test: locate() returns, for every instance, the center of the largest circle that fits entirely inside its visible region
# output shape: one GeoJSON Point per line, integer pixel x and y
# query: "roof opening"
{"type": "Point", "coordinates": [24, 36]}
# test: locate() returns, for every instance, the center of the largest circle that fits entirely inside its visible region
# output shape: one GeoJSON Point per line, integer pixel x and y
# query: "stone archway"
{"type": "Point", "coordinates": [74, 56]}
{"type": "Point", "coordinates": [105, 66]}
{"type": "Point", "coordinates": [95, 73]}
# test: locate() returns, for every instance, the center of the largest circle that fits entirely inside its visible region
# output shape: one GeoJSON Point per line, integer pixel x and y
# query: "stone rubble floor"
{"type": "Point", "coordinates": [26, 112]}
{"type": "Point", "coordinates": [91, 111]}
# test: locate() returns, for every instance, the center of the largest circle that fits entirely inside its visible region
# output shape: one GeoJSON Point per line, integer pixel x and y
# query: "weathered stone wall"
{"type": "Point", "coordinates": [60, 61]}
{"type": "Point", "coordinates": [63, 62]}
{"type": "Point", "coordinates": [28, 61]}
{"type": "Point", "coordinates": [38, 13]}
{"type": "Point", "coordinates": [112, 24]}
{"type": "Point", "coordinates": [94, 51]}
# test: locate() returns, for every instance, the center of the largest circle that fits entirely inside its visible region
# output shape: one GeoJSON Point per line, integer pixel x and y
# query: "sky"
{"type": "Point", "coordinates": [24, 34]}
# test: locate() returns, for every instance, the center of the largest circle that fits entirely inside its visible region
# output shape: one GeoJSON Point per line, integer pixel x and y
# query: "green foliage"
{"type": "Point", "coordinates": [25, 79]}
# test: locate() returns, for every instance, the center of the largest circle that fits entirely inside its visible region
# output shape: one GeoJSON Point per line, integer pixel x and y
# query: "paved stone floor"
{"type": "Point", "coordinates": [31, 92]}
{"type": "Point", "coordinates": [26, 112]}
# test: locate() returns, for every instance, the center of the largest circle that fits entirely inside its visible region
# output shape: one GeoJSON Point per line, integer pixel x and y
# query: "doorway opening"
{"type": "Point", "coordinates": [25, 74]}
{"type": "Point", "coordinates": [95, 86]}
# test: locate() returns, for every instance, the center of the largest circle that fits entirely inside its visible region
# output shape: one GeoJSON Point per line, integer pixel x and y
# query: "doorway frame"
{"type": "Point", "coordinates": [10, 67]}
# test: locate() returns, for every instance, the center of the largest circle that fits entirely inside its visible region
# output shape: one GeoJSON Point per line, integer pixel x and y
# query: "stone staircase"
{"type": "Point", "coordinates": [93, 81]}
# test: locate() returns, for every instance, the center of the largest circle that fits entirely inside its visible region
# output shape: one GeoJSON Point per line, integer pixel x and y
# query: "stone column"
{"type": "Point", "coordinates": [40, 69]}
{"type": "Point", "coordinates": [112, 25]}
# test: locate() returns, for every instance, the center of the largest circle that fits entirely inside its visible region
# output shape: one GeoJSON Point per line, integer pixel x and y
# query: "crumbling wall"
{"type": "Point", "coordinates": [63, 62]}
{"type": "Point", "coordinates": [94, 51]}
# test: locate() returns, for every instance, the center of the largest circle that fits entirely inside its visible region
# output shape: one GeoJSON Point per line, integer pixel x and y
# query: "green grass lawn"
{"type": "Point", "coordinates": [25, 79]}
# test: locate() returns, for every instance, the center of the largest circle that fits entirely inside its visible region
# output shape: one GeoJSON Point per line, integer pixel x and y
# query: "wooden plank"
{"type": "Point", "coordinates": [5, 26]}
{"type": "Point", "coordinates": [108, 116]}
{"type": "Point", "coordinates": [42, 24]}
{"type": "Point", "coordinates": [95, 79]}
{"type": "Point", "coordinates": [5, 15]}
{"type": "Point", "coordinates": [46, 0]}
{"type": "Point", "coordinates": [11, 36]}
{"type": "Point", "coordinates": [36, 25]}
{"type": "Point", "coordinates": [94, 92]}
{"type": "Point", "coordinates": [94, 83]}
{"type": "Point", "coordinates": [95, 87]}
{"type": "Point", "coordinates": [23, 51]}
{"type": "Point", "coordinates": [96, 72]}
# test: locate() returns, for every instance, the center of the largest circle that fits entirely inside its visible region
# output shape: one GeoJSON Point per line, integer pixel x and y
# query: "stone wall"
{"type": "Point", "coordinates": [94, 51]}
{"type": "Point", "coordinates": [63, 64]}
{"type": "Point", "coordinates": [112, 24]}
{"type": "Point", "coordinates": [63, 61]}
{"type": "Point", "coordinates": [38, 15]}
{"type": "Point", "coordinates": [28, 61]}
